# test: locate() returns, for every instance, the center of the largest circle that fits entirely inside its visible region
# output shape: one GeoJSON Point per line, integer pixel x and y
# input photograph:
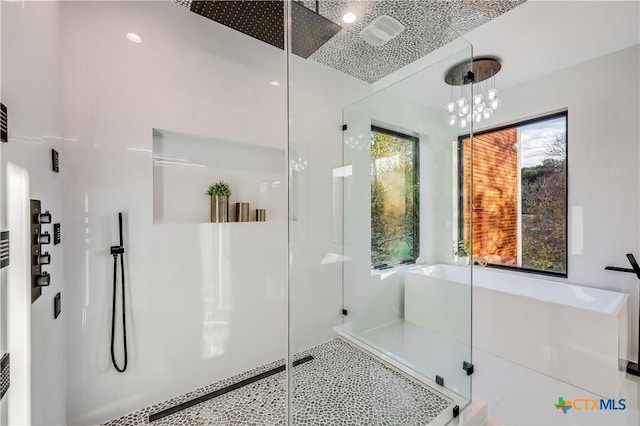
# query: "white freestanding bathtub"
{"type": "Point", "coordinates": [573, 333]}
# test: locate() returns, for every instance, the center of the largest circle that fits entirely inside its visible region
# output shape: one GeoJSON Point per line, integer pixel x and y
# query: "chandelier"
{"type": "Point", "coordinates": [478, 104]}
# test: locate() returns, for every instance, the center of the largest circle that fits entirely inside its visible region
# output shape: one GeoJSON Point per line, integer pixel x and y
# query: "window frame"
{"type": "Point", "coordinates": [415, 140]}
{"type": "Point", "coordinates": [520, 123]}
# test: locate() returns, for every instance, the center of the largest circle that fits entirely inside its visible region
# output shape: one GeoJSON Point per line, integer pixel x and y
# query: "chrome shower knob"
{"type": "Point", "coordinates": [43, 238]}
{"type": "Point", "coordinates": [44, 217]}
{"type": "Point", "coordinates": [44, 259]}
{"type": "Point", "coordinates": [43, 280]}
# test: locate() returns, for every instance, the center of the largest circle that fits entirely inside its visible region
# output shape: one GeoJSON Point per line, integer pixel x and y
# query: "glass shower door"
{"type": "Point", "coordinates": [406, 281]}
{"type": "Point", "coordinates": [377, 309]}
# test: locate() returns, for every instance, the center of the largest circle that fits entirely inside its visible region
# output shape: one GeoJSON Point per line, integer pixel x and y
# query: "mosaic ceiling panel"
{"type": "Point", "coordinates": [428, 24]}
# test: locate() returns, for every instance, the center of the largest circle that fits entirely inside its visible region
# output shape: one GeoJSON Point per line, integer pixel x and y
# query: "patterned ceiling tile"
{"type": "Point", "coordinates": [429, 25]}
{"type": "Point", "coordinates": [185, 3]}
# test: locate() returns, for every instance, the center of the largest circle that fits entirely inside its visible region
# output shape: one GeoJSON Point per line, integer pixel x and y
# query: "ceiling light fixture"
{"type": "Point", "coordinates": [275, 83]}
{"type": "Point", "coordinates": [477, 105]}
{"type": "Point", "coordinates": [134, 37]}
{"type": "Point", "coordinates": [349, 17]}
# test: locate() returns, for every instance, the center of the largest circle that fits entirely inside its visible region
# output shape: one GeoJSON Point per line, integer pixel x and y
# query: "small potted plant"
{"type": "Point", "coordinates": [219, 193]}
{"type": "Point", "coordinates": [462, 253]}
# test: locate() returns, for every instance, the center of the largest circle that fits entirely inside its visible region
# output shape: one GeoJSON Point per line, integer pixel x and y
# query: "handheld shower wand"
{"type": "Point", "coordinates": [118, 251]}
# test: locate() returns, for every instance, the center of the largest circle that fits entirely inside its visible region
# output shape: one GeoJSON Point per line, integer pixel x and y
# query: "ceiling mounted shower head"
{"type": "Point", "coordinates": [482, 69]}
{"type": "Point", "coordinates": [264, 20]}
{"type": "Point", "coordinates": [309, 30]}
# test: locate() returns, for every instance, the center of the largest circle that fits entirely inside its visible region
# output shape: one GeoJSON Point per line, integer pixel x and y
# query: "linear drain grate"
{"type": "Point", "coordinates": [188, 404]}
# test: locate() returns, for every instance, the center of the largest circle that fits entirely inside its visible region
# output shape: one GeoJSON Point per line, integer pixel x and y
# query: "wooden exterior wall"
{"type": "Point", "coordinates": [495, 195]}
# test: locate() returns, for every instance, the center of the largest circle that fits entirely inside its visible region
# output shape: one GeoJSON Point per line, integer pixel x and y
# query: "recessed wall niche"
{"type": "Point", "coordinates": [185, 165]}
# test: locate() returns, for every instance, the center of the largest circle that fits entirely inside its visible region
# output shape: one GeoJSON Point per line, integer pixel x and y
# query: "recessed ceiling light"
{"type": "Point", "coordinates": [275, 83]}
{"type": "Point", "coordinates": [349, 17]}
{"type": "Point", "coordinates": [134, 38]}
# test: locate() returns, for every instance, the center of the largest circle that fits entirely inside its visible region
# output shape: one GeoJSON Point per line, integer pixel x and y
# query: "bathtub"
{"type": "Point", "coordinates": [572, 333]}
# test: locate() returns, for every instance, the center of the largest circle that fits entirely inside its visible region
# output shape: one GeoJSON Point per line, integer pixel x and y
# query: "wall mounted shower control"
{"type": "Point", "coordinates": [43, 280]}
{"type": "Point", "coordinates": [44, 259]}
{"type": "Point", "coordinates": [39, 258]}
{"type": "Point", "coordinates": [43, 238]}
{"type": "Point", "coordinates": [44, 217]}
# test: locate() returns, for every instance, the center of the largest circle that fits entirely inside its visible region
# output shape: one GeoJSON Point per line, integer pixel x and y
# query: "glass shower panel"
{"type": "Point", "coordinates": [406, 292]}
{"type": "Point", "coordinates": [352, 353]}
{"type": "Point", "coordinates": [161, 100]}
{"type": "Point", "coordinates": [317, 94]}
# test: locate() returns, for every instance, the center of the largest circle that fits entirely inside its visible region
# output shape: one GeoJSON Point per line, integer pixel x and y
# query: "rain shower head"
{"type": "Point", "coordinates": [264, 20]}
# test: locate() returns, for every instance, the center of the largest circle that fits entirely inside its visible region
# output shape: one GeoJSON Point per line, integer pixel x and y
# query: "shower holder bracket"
{"type": "Point", "coordinates": [117, 250]}
{"type": "Point", "coordinates": [344, 312]}
{"type": "Point", "coordinates": [468, 367]}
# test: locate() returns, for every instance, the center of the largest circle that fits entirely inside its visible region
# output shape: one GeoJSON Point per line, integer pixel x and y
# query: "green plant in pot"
{"type": "Point", "coordinates": [462, 252]}
{"type": "Point", "coordinates": [219, 193]}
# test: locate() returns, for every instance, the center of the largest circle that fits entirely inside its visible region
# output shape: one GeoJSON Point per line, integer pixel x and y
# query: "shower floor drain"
{"type": "Point", "coordinates": [342, 385]}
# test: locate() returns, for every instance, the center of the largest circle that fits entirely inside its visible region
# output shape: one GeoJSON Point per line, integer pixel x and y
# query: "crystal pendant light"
{"type": "Point", "coordinates": [481, 104]}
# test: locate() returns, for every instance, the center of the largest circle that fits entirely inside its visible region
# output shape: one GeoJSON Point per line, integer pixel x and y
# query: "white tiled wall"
{"type": "Point", "coordinates": [32, 89]}
{"type": "Point", "coordinates": [204, 301]}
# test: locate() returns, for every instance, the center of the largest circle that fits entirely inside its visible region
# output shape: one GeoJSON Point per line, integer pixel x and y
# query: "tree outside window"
{"type": "Point", "coordinates": [519, 201]}
{"type": "Point", "coordinates": [394, 198]}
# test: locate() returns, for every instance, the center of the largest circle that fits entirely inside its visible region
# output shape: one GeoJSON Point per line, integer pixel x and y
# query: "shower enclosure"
{"type": "Point", "coordinates": [346, 148]}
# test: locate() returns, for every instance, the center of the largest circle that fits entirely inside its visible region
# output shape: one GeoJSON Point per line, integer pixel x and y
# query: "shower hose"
{"type": "Point", "coordinates": [118, 251]}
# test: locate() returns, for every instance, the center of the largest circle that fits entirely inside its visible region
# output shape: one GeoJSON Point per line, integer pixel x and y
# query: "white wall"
{"type": "Point", "coordinates": [371, 297]}
{"type": "Point", "coordinates": [318, 94]}
{"type": "Point", "coordinates": [204, 301]}
{"type": "Point", "coordinates": [184, 164]}
{"type": "Point", "coordinates": [603, 148]}
{"type": "Point", "coordinates": [376, 297]}
{"type": "Point", "coordinates": [31, 90]}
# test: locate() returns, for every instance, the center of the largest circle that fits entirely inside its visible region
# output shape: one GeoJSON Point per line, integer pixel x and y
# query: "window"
{"type": "Point", "coordinates": [394, 198]}
{"type": "Point", "coordinates": [519, 214]}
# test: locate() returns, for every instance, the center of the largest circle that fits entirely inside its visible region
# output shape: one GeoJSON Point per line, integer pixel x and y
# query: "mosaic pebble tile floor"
{"type": "Point", "coordinates": [342, 385]}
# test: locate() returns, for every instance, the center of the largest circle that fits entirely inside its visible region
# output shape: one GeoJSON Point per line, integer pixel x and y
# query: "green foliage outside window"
{"type": "Point", "coordinates": [394, 198]}
{"type": "Point", "coordinates": [544, 220]}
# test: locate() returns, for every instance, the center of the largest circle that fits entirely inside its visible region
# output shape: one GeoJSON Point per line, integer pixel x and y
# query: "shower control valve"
{"type": "Point", "coordinates": [44, 259]}
{"type": "Point", "coordinates": [44, 217]}
{"type": "Point", "coordinates": [43, 238]}
{"type": "Point", "coordinates": [43, 280]}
